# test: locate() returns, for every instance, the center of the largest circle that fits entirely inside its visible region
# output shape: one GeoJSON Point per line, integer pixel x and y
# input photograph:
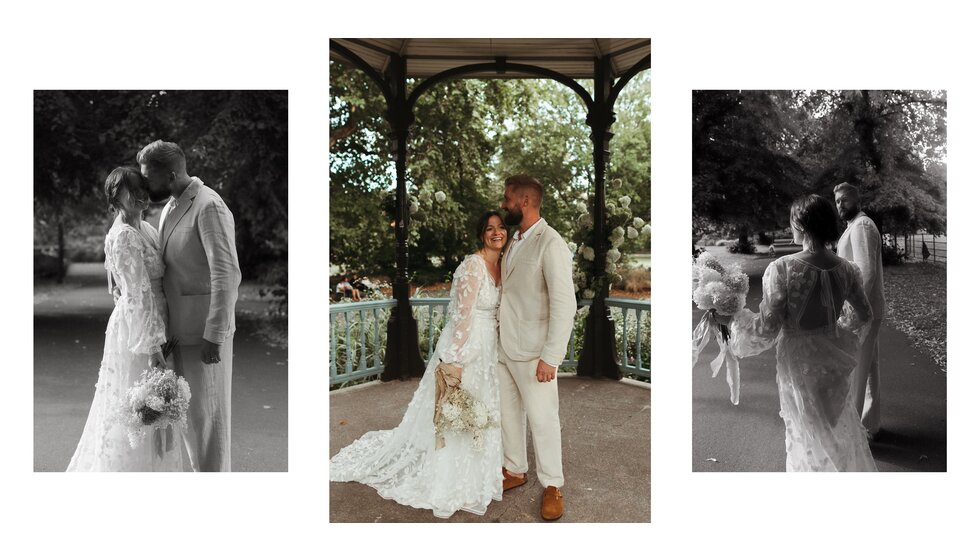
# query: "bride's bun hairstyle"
{"type": "Point", "coordinates": [481, 225]}
{"type": "Point", "coordinates": [120, 177]}
{"type": "Point", "coordinates": [816, 217]}
{"type": "Point", "coordinates": [163, 155]}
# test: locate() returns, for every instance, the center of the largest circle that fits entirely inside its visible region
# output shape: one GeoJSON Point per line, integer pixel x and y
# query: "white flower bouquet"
{"type": "Point", "coordinates": [159, 400]}
{"type": "Point", "coordinates": [718, 290]}
{"type": "Point", "coordinates": [462, 413]}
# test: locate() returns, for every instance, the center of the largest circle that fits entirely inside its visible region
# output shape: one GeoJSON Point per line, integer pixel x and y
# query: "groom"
{"type": "Point", "coordinates": [197, 240]}
{"type": "Point", "coordinates": [537, 309]}
{"type": "Point", "coordinates": [861, 244]}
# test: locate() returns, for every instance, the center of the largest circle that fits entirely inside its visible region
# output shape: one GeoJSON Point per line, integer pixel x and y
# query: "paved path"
{"type": "Point", "coordinates": [69, 329]}
{"type": "Point", "coordinates": [605, 447]}
{"type": "Point", "coordinates": [750, 436]}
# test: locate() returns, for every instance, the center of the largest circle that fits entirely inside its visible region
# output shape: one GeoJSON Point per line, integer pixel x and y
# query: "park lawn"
{"type": "Point", "coordinates": [916, 298]}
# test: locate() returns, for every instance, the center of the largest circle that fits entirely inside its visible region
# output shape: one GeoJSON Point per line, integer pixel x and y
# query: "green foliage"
{"type": "Point", "coordinates": [468, 136]}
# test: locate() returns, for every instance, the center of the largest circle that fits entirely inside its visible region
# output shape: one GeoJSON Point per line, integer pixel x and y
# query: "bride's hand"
{"type": "Point", "coordinates": [157, 360]}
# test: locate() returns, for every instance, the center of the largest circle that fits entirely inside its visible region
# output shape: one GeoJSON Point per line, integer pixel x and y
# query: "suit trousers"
{"type": "Point", "coordinates": [208, 436]}
{"type": "Point", "coordinates": [865, 382]}
{"type": "Point", "coordinates": [523, 398]}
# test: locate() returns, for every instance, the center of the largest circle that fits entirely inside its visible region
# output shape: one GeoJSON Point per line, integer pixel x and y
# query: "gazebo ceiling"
{"type": "Point", "coordinates": [426, 57]}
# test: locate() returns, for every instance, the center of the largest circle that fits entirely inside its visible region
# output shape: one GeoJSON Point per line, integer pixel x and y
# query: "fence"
{"type": "Point", "coordinates": [921, 247]}
{"type": "Point", "coordinates": [358, 332]}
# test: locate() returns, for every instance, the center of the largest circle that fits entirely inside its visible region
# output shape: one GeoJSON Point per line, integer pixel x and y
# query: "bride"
{"type": "Point", "coordinates": [133, 340]}
{"type": "Point", "coordinates": [816, 335]}
{"type": "Point", "coordinates": [405, 464]}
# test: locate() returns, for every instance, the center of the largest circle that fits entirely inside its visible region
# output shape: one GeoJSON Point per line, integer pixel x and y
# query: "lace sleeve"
{"type": "Point", "coordinates": [754, 333]}
{"type": "Point", "coordinates": [463, 294]}
{"type": "Point", "coordinates": [138, 313]}
{"type": "Point", "coordinates": [857, 314]}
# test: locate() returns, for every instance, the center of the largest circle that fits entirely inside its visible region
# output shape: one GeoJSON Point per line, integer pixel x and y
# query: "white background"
{"type": "Point", "coordinates": [284, 45]}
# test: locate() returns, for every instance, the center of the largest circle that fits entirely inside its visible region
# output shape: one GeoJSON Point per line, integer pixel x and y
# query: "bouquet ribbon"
{"type": "Point", "coordinates": [701, 337]}
{"type": "Point", "coordinates": [163, 440]}
{"type": "Point", "coordinates": [448, 379]}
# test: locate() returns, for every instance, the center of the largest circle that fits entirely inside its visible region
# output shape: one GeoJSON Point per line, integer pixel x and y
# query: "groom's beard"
{"type": "Point", "coordinates": [513, 218]}
{"type": "Point", "coordinates": [848, 215]}
{"type": "Point", "coordinates": [159, 196]}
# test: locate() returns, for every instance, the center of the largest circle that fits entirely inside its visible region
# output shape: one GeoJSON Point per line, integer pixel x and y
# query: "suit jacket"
{"type": "Point", "coordinates": [861, 244]}
{"type": "Point", "coordinates": [197, 239]}
{"type": "Point", "coordinates": [537, 301]}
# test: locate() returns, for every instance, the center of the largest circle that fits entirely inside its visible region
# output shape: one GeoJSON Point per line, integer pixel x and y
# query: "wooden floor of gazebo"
{"type": "Point", "coordinates": [606, 448]}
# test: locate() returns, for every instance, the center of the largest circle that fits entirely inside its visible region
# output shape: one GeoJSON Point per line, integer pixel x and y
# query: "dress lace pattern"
{"type": "Point", "coordinates": [816, 319]}
{"type": "Point", "coordinates": [403, 464]}
{"type": "Point", "coordinates": [136, 329]}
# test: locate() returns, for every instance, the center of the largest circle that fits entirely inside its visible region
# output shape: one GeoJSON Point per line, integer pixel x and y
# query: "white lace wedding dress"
{"type": "Point", "coordinates": [816, 319]}
{"type": "Point", "coordinates": [403, 464]}
{"type": "Point", "coordinates": [136, 329]}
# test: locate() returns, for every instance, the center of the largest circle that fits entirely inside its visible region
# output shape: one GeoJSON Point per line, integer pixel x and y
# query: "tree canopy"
{"type": "Point", "coordinates": [468, 136]}
{"type": "Point", "coordinates": [236, 141]}
{"type": "Point", "coordinates": [754, 151]}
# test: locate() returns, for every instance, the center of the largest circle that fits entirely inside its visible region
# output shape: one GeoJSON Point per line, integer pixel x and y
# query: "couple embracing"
{"type": "Point", "coordinates": [508, 324]}
{"type": "Point", "coordinates": [177, 284]}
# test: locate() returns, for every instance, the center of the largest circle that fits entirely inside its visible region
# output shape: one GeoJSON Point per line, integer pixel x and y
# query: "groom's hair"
{"type": "Point", "coordinates": [848, 188]}
{"type": "Point", "coordinates": [526, 185]}
{"type": "Point", "coordinates": [163, 155]}
{"type": "Point", "coordinates": [816, 217]}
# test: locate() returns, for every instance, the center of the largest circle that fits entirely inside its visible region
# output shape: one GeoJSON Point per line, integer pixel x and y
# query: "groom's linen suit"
{"type": "Point", "coordinates": [537, 311]}
{"type": "Point", "coordinates": [197, 236]}
{"type": "Point", "coordinates": [861, 244]}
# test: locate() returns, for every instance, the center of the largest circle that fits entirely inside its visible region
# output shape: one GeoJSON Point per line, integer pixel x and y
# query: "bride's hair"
{"type": "Point", "coordinates": [816, 217]}
{"type": "Point", "coordinates": [128, 177]}
{"type": "Point", "coordinates": [481, 225]}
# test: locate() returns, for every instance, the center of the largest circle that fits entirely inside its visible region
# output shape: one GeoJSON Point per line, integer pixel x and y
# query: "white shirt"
{"type": "Point", "coordinates": [518, 240]}
{"type": "Point", "coordinates": [861, 244]}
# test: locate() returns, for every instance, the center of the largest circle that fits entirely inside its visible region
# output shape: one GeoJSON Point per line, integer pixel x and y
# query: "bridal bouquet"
{"type": "Point", "coordinates": [462, 413]}
{"type": "Point", "coordinates": [718, 290]}
{"type": "Point", "coordinates": [159, 400]}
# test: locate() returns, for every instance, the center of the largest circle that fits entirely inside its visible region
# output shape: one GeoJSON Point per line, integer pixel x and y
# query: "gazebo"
{"type": "Point", "coordinates": [390, 63]}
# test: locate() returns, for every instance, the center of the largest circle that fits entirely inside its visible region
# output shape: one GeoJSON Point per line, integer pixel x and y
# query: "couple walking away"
{"type": "Point", "coordinates": [822, 311]}
{"type": "Point", "coordinates": [180, 284]}
{"type": "Point", "coordinates": [509, 321]}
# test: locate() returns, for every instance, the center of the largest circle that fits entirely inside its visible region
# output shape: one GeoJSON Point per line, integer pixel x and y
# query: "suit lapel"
{"type": "Point", "coordinates": [183, 205]}
{"type": "Point", "coordinates": [525, 246]}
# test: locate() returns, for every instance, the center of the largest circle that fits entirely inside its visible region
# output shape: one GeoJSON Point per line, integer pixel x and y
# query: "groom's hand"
{"type": "Point", "coordinates": [545, 372]}
{"type": "Point", "coordinates": [210, 352]}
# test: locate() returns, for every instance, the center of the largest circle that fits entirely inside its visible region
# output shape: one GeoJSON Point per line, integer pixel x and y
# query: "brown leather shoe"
{"type": "Point", "coordinates": [511, 481]}
{"type": "Point", "coordinates": [552, 504]}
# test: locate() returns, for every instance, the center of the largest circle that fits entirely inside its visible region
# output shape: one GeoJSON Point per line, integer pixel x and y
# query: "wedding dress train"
{"type": "Point", "coordinates": [403, 464]}
{"type": "Point", "coordinates": [816, 319]}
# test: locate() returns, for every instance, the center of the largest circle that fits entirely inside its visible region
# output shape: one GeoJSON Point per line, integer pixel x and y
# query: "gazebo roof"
{"type": "Point", "coordinates": [427, 57]}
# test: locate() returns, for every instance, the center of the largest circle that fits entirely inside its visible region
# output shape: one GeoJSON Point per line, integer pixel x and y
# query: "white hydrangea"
{"type": "Point", "coordinates": [645, 230]}
{"type": "Point", "coordinates": [413, 208]}
{"type": "Point", "coordinates": [588, 294]}
{"type": "Point", "coordinates": [585, 220]}
{"type": "Point", "coordinates": [625, 201]}
{"type": "Point", "coordinates": [617, 183]}
{"type": "Point", "coordinates": [440, 196]}
{"type": "Point", "coordinates": [632, 233]}
{"type": "Point", "coordinates": [610, 267]}
{"type": "Point", "coordinates": [613, 255]}
{"type": "Point", "coordinates": [638, 223]}
{"type": "Point", "coordinates": [588, 253]}
{"type": "Point", "coordinates": [616, 241]}
{"type": "Point", "coordinates": [581, 207]}
{"type": "Point", "coordinates": [618, 232]}
{"type": "Point", "coordinates": [571, 247]}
